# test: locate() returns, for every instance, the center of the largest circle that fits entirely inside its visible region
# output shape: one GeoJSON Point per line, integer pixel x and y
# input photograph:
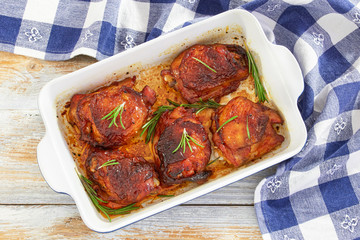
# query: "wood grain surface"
{"type": "Point", "coordinates": [29, 209]}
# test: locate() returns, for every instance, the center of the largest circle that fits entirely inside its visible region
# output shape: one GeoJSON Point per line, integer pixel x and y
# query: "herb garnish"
{"type": "Point", "coordinates": [95, 200]}
{"type": "Point", "coordinates": [109, 163]}
{"type": "Point", "coordinates": [229, 120]}
{"type": "Point", "coordinates": [114, 114]}
{"type": "Point", "coordinates": [150, 125]}
{"type": "Point", "coordinates": [247, 127]}
{"type": "Point", "coordinates": [201, 105]}
{"type": "Point", "coordinates": [185, 140]}
{"type": "Point", "coordinates": [213, 161]}
{"type": "Point", "coordinates": [204, 64]}
{"type": "Point", "coordinates": [160, 195]}
{"type": "Point", "coordinates": [260, 91]}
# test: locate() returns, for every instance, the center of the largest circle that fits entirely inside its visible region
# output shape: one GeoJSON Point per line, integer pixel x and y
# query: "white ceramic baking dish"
{"type": "Point", "coordinates": [281, 76]}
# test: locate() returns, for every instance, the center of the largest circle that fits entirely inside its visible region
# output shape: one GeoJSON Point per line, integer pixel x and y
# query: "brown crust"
{"type": "Point", "coordinates": [177, 167]}
{"type": "Point", "coordinates": [129, 181]}
{"type": "Point", "coordinates": [195, 81]}
{"type": "Point", "coordinates": [233, 138]}
{"type": "Point", "coordinates": [87, 112]}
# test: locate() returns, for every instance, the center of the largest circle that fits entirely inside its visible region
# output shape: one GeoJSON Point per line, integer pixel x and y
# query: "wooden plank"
{"type": "Point", "coordinates": [21, 78]}
{"type": "Point", "coordinates": [22, 182]}
{"type": "Point", "coordinates": [183, 222]}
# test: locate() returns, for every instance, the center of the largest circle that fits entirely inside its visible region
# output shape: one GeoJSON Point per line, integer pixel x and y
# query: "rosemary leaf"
{"type": "Point", "coordinates": [114, 114]}
{"type": "Point", "coordinates": [203, 108]}
{"type": "Point", "coordinates": [247, 127]}
{"type": "Point", "coordinates": [180, 144]}
{"type": "Point", "coordinates": [229, 120]}
{"type": "Point", "coordinates": [166, 195]}
{"type": "Point", "coordinates": [204, 64]}
{"type": "Point", "coordinates": [188, 143]}
{"type": "Point", "coordinates": [213, 161]}
{"type": "Point", "coordinates": [95, 200]}
{"type": "Point", "coordinates": [194, 141]}
{"type": "Point", "coordinates": [260, 91]}
{"type": "Point", "coordinates": [185, 140]}
{"type": "Point", "coordinates": [150, 125]}
{"type": "Point", "coordinates": [109, 163]}
{"type": "Point", "coordinates": [173, 103]}
{"type": "Point", "coordinates": [120, 211]}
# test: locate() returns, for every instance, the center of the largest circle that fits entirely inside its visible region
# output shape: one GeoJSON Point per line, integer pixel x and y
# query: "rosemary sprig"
{"type": "Point", "coordinates": [161, 195]}
{"type": "Point", "coordinates": [114, 114]}
{"type": "Point", "coordinates": [120, 211]}
{"type": "Point", "coordinates": [229, 120]}
{"type": "Point", "coordinates": [247, 127]}
{"type": "Point", "coordinates": [200, 105]}
{"type": "Point", "coordinates": [260, 91]}
{"type": "Point", "coordinates": [109, 163]}
{"type": "Point", "coordinates": [213, 161]}
{"type": "Point", "coordinates": [204, 64]}
{"type": "Point", "coordinates": [150, 125]}
{"type": "Point", "coordinates": [95, 200]}
{"type": "Point", "coordinates": [185, 140]}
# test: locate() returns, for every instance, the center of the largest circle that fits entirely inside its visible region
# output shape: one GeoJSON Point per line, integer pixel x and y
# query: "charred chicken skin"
{"type": "Point", "coordinates": [112, 115]}
{"type": "Point", "coordinates": [208, 71]}
{"type": "Point", "coordinates": [243, 130]}
{"type": "Point", "coordinates": [119, 178]}
{"type": "Point", "coordinates": [178, 163]}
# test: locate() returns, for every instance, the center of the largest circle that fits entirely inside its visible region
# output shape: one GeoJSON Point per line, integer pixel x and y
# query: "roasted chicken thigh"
{"type": "Point", "coordinates": [182, 147]}
{"type": "Point", "coordinates": [208, 71]}
{"type": "Point", "coordinates": [243, 130]}
{"type": "Point", "coordinates": [119, 178]}
{"type": "Point", "coordinates": [112, 115]}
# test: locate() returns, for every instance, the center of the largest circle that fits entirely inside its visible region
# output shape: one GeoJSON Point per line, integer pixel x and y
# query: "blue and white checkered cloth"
{"type": "Point", "coordinates": [315, 194]}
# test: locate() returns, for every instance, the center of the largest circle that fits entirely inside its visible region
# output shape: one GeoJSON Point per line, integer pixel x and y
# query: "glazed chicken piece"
{"type": "Point", "coordinates": [112, 115]}
{"type": "Point", "coordinates": [208, 71]}
{"type": "Point", "coordinates": [249, 135]}
{"type": "Point", "coordinates": [179, 163]}
{"type": "Point", "coordinates": [128, 179]}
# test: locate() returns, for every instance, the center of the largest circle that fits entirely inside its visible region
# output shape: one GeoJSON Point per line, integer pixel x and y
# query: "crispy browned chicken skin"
{"type": "Point", "coordinates": [194, 80]}
{"type": "Point", "coordinates": [250, 135]}
{"type": "Point", "coordinates": [180, 166]}
{"type": "Point", "coordinates": [130, 180]}
{"type": "Point", "coordinates": [87, 112]}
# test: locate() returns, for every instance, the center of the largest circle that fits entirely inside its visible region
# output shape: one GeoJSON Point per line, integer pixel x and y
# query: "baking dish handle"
{"type": "Point", "coordinates": [50, 166]}
{"type": "Point", "coordinates": [292, 72]}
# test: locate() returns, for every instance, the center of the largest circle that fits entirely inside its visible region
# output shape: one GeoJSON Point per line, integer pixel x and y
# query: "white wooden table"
{"type": "Point", "coordinates": [30, 209]}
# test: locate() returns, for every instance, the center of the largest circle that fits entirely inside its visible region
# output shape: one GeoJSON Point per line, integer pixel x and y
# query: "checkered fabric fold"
{"type": "Point", "coordinates": [313, 195]}
{"type": "Point", "coordinates": [62, 29]}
